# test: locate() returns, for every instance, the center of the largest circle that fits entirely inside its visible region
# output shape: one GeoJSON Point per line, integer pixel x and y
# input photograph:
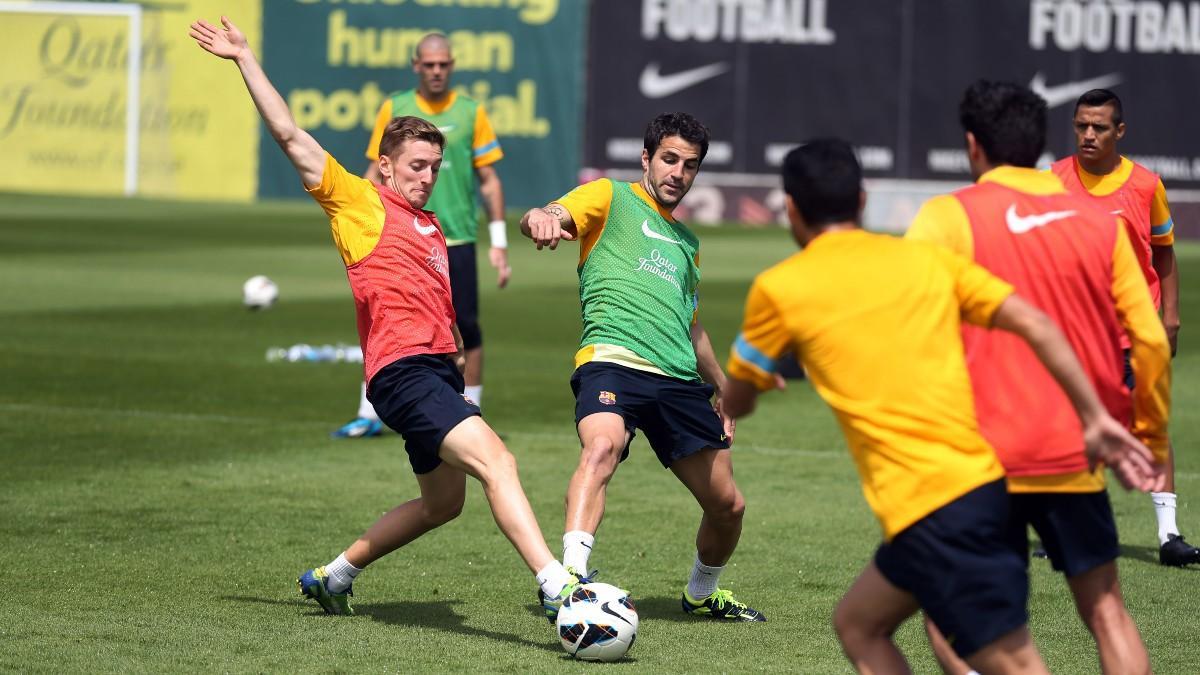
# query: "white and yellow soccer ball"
{"type": "Point", "coordinates": [597, 622]}
{"type": "Point", "coordinates": [259, 292]}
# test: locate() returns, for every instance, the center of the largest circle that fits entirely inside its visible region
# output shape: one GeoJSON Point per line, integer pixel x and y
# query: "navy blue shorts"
{"type": "Point", "coordinates": [1077, 530]}
{"type": "Point", "coordinates": [421, 398]}
{"type": "Point", "coordinates": [958, 564]}
{"type": "Point", "coordinates": [464, 292]}
{"type": "Point", "coordinates": [676, 416]}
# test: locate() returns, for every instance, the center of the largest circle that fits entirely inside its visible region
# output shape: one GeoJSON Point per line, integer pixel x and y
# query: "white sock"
{"type": "Point", "coordinates": [1164, 509]}
{"type": "Point", "coordinates": [341, 574]}
{"type": "Point", "coordinates": [553, 578]}
{"type": "Point", "coordinates": [475, 393]}
{"type": "Point", "coordinates": [365, 409]}
{"type": "Point", "coordinates": [577, 546]}
{"type": "Point", "coordinates": [703, 581]}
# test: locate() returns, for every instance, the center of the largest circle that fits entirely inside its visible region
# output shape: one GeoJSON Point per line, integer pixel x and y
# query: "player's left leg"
{"type": "Point", "coordinates": [708, 474]}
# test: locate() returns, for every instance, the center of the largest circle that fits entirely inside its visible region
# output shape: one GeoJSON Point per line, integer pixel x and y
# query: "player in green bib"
{"type": "Point", "coordinates": [468, 165]}
{"type": "Point", "coordinates": [645, 361]}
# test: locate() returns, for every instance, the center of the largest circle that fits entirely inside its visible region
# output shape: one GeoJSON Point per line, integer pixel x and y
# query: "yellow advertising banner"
{"type": "Point", "coordinates": [64, 93]}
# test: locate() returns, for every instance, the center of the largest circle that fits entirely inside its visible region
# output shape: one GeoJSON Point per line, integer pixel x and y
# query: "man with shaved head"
{"type": "Point", "coordinates": [468, 165]}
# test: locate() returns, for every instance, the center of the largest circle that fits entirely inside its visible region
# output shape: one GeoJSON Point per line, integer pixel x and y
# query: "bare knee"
{"type": "Point", "coordinates": [729, 507]}
{"type": "Point", "coordinates": [599, 456]}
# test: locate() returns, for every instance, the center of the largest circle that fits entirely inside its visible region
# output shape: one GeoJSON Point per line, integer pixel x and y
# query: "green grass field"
{"type": "Point", "coordinates": [163, 484]}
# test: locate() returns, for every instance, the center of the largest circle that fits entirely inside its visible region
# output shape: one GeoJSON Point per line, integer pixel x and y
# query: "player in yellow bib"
{"type": "Point", "coordinates": [645, 361]}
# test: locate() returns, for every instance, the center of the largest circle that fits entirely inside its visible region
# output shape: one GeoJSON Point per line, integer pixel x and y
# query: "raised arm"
{"type": "Point", "coordinates": [1105, 439]}
{"type": "Point", "coordinates": [301, 148]}
{"type": "Point", "coordinates": [547, 225]}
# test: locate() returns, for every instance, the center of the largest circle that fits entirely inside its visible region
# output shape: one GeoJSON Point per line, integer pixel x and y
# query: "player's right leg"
{"type": "Point", "coordinates": [475, 448]}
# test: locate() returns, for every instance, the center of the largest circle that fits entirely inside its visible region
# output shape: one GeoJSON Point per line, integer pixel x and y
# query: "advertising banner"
{"type": "Point", "coordinates": [766, 74]}
{"type": "Point", "coordinates": [64, 93]}
{"type": "Point", "coordinates": [335, 62]}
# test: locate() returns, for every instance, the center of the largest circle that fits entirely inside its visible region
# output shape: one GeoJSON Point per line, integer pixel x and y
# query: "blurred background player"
{"type": "Point", "coordinates": [467, 165]}
{"type": "Point", "coordinates": [645, 360]}
{"type": "Point", "coordinates": [1074, 262]}
{"type": "Point", "coordinates": [1127, 189]}
{"type": "Point", "coordinates": [399, 284]}
{"type": "Point", "coordinates": [868, 316]}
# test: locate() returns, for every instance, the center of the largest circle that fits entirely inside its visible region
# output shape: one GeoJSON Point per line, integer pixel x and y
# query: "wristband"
{"type": "Point", "coordinates": [497, 231]}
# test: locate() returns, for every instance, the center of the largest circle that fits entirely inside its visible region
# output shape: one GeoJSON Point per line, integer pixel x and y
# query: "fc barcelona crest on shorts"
{"type": "Point", "coordinates": [608, 398]}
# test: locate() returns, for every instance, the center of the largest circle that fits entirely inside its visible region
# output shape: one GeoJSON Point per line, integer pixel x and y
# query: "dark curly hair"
{"type": "Point", "coordinates": [678, 124]}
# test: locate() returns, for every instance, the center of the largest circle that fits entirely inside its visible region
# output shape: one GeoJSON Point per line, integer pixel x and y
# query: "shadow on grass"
{"type": "Point", "coordinates": [438, 615]}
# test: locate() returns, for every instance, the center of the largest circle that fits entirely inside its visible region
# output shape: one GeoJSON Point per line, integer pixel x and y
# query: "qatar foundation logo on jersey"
{"type": "Point", "coordinates": [437, 260]}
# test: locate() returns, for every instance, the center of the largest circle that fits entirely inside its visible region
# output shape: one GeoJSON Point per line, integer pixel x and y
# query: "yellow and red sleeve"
{"type": "Point", "coordinates": [764, 338]}
{"type": "Point", "coordinates": [1150, 352]}
{"type": "Point", "coordinates": [355, 211]}
{"type": "Point", "coordinates": [485, 147]}
{"type": "Point", "coordinates": [943, 220]}
{"type": "Point", "coordinates": [1162, 226]}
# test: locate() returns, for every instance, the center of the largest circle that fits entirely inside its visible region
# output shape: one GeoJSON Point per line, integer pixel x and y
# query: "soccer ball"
{"type": "Point", "coordinates": [259, 292]}
{"type": "Point", "coordinates": [597, 623]}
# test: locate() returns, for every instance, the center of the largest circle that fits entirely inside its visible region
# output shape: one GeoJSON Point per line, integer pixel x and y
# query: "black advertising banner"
{"type": "Point", "coordinates": [888, 76]}
{"type": "Point", "coordinates": [762, 75]}
{"type": "Point", "coordinates": [1145, 51]}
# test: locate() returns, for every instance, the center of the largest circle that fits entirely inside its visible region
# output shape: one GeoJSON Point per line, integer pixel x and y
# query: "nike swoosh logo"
{"type": "Point", "coordinates": [1022, 224]}
{"type": "Point", "coordinates": [1070, 91]}
{"type": "Point", "coordinates": [424, 230]}
{"type": "Point", "coordinates": [447, 129]}
{"type": "Point", "coordinates": [654, 235]}
{"type": "Point", "coordinates": [608, 610]}
{"type": "Point", "coordinates": [653, 84]}
{"type": "Point", "coordinates": [1117, 212]}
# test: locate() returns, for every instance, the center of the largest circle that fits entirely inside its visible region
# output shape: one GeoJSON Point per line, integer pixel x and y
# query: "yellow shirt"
{"type": "Point", "coordinates": [485, 148]}
{"type": "Point", "coordinates": [355, 211]}
{"type": "Point", "coordinates": [1162, 227]}
{"type": "Point", "coordinates": [943, 220]}
{"type": "Point", "coordinates": [876, 322]}
{"type": "Point", "coordinates": [588, 205]}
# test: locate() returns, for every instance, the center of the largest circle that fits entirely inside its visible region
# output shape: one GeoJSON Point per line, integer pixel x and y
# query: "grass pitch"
{"type": "Point", "coordinates": [163, 484]}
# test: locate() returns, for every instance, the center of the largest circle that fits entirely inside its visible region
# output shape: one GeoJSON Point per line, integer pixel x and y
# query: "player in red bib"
{"type": "Point", "coordinates": [1129, 190]}
{"type": "Point", "coordinates": [412, 349]}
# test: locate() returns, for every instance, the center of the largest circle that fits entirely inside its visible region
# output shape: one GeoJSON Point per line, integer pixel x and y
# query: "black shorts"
{"type": "Point", "coordinates": [958, 564]}
{"type": "Point", "coordinates": [464, 292]}
{"type": "Point", "coordinates": [676, 416]}
{"type": "Point", "coordinates": [1077, 530]}
{"type": "Point", "coordinates": [421, 398]}
{"type": "Point", "coordinates": [1129, 379]}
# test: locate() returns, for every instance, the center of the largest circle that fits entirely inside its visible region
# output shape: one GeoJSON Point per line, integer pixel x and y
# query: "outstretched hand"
{"type": "Point", "coordinates": [227, 42]}
{"type": "Point", "coordinates": [1107, 441]}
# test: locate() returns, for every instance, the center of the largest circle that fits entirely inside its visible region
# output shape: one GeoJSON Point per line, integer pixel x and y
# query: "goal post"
{"type": "Point", "coordinates": [66, 46]}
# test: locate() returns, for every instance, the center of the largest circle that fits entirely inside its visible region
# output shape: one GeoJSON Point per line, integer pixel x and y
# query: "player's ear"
{"type": "Point", "coordinates": [1120, 131]}
{"type": "Point", "coordinates": [385, 166]}
{"type": "Point", "coordinates": [645, 160]}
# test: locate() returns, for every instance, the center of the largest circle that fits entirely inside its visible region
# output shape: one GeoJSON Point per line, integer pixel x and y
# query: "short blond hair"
{"type": "Point", "coordinates": [406, 128]}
